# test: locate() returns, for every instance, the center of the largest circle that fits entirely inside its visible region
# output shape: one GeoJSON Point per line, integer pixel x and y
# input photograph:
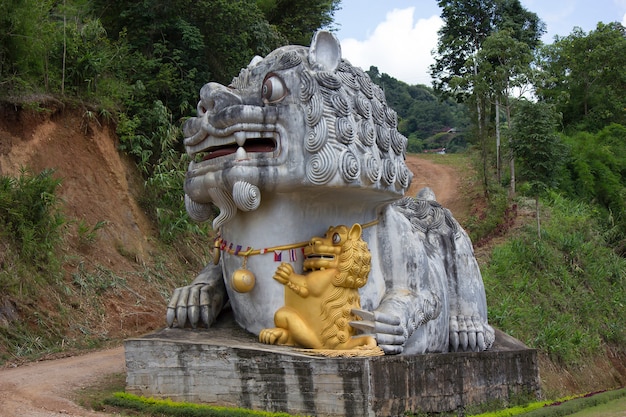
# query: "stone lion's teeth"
{"type": "Point", "coordinates": [240, 138]}
{"type": "Point", "coordinates": [241, 154]}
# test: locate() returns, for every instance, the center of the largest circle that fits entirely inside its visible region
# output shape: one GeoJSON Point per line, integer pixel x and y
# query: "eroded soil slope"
{"type": "Point", "coordinates": [111, 281]}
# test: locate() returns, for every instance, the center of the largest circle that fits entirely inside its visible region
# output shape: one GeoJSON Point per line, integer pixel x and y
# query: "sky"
{"type": "Point", "coordinates": [397, 36]}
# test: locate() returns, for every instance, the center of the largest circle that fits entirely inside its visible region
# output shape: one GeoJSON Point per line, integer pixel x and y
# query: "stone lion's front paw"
{"type": "Point", "coordinates": [469, 333]}
{"type": "Point", "coordinates": [386, 329]}
{"type": "Point", "coordinates": [198, 304]}
{"type": "Point", "coordinates": [274, 336]}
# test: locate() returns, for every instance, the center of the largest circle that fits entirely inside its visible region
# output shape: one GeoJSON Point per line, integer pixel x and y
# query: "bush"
{"type": "Point", "coordinates": [30, 218]}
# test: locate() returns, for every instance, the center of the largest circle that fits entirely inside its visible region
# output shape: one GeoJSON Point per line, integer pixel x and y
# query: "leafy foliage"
{"type": "Point", "coordinates": [26, 37]}
{"type": "Point", "coordinates": [29, 215]}
{"type": "Point", "coordinates": [467, 25]}
{"type": "Point", "coordinates": [589, 95]}
{"type": "Point", "coordinates": [596, 172]}
{"type": "Point", "coordinates": [536, 145]}
{"type": "Point", "coordinates": [423, 118]}
{"type": "Point", "coordinates": [298, 20]}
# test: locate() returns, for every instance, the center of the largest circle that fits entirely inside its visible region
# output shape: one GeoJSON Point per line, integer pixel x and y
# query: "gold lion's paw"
{"type": "Point", "coordinates": [274, 336]}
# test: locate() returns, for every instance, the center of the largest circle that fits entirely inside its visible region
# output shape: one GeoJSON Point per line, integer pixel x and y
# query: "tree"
{"type": "Point", "coordinates": [467, 25]}
{"type": "Point", "coordinates": [26, 37]}
{"type": "Point", "coordinates": [583, 75]}
{"type": "Point", "coordinates": [297, 20]}
{"type": "Point", "coordinates": [596, 171]}
{"type": "Point", "coordinates": [537, 148]}
{"type": "Point", "coordinates": [504, 65]}
{"type": "Point", "coordinates": [175, 47]}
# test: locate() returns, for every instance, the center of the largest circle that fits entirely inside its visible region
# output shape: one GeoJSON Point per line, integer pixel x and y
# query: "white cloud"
{"type": "Point", "coordinates": [398, 46]}
{"type": "Point", "coordinates": [624, 20]}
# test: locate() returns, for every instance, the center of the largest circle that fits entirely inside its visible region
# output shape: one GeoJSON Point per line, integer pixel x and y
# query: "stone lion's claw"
{"type": "Point", "coordinates": [198, 303]}
{"type": "Point", "coordinates": [469, 333]}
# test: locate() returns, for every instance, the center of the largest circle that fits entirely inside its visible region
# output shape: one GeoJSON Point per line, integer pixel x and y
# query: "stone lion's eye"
{"type": "Point", "coordinates": [273, 89]}
{"type": "Point", "coordinates": [336, 238]}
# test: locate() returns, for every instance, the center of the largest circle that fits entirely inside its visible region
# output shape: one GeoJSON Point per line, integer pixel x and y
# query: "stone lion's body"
{"type": "Point", "coordinates": [301, 140]}
{"type": "Point", "coordinates": [319, 303]}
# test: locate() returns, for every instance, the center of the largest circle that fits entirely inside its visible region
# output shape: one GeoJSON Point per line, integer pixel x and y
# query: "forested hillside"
{"type": "Point", "coordinates": [132, 71]}
{"type": "Point", "coordinates": [429, 122]}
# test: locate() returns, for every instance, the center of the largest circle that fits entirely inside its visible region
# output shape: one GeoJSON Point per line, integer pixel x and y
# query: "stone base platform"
{"type": "Point", "coordinates": [225, 365]}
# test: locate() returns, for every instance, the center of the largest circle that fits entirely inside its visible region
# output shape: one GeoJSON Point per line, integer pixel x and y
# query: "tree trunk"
{"type": "Point", "coordinates": [512, 157]}
{"type": "Point", "coordinates": [64, 49]}
{"type": "Point", "coordinates": [512, 167]}
{"type": "Point", "coordinates": [498, 160]}
{"type": "Point", "coordinates": [537, 214]}
{"type": "Point", "coordinates": [483, 147]}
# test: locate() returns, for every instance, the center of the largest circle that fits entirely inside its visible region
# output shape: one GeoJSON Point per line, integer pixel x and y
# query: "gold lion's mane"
{"type": "Point", "coordinates": [354, 268]}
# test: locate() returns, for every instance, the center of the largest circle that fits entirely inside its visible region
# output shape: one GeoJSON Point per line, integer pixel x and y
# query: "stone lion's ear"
{"type": "Point", "coordinates": [325, 51]}
{"type": "Point", "coordinates": [255, 61]}
{"type": "Point", "coordinates": [355, 232]}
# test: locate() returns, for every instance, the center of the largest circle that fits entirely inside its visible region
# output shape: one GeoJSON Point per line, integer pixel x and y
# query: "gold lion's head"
{"type": "Point", "coordinates": [342, 249]}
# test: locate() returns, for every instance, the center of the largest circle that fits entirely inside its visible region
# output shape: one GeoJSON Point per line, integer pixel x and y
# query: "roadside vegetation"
{"type": "Point", "coordinates": [551, 172]}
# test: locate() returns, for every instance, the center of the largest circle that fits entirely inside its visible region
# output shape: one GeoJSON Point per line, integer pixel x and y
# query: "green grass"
{"type": "Point", "coordinates": [168, 408]}
{"type": "Point", "coordinates": [615, 408]}
{"type": "Point", "coordinates": [564, 293]}
{"type": "Point", "coordinates": [93, 395]}
{"type": "Point", "coordinates": [586, 405]}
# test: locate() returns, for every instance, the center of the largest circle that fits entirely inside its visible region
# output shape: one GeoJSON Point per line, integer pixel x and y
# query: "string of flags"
{"type": "Point", "coordinates": [293, 250]}
{"type": "Point", "coordinates": [293, 254]}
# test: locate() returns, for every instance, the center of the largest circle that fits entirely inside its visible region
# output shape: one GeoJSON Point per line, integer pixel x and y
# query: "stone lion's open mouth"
{"type": "Point", "coordinates": [257, 145]}
{"type": "Point", "coordinates": [242, 144]}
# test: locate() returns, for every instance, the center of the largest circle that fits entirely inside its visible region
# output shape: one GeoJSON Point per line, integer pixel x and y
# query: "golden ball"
{"type": "Point", "coordinates": [243, 280]}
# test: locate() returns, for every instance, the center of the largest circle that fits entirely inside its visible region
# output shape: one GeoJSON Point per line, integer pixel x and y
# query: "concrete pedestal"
{"type": "Point", "coordinates": [225, 365]}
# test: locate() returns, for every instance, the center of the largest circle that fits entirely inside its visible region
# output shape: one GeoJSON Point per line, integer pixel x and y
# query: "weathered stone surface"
{"type": "Point", "coordinates": [299, 141]}
{"type": "Point", "coordinates": [225, 365]}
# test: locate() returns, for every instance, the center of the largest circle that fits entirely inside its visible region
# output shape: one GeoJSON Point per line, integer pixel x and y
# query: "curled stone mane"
{"type": "Point", "coordinates": [428, 216]}
{"type": "Point", "coordinates": [351, 131]}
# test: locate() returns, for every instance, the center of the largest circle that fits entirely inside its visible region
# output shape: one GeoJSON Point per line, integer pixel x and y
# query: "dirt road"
{"type": "Point", "coordinates": [45, 389]}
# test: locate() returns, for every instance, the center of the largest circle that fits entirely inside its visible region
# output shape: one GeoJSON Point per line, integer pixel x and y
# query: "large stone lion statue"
{"type": "Point", "coordinates": [301, 140]}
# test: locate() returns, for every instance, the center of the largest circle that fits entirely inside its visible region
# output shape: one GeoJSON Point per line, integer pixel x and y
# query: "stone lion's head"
{"type": "Point", "coordinates": [298, 119]}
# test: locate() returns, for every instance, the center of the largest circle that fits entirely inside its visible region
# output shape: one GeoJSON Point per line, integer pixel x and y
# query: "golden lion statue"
{"type": "Point", "coordinates": [318, 305]}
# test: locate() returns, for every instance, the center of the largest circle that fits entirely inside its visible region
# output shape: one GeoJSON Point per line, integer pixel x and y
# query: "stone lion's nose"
{"type": "Point", "coordinates": [215, 97]}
